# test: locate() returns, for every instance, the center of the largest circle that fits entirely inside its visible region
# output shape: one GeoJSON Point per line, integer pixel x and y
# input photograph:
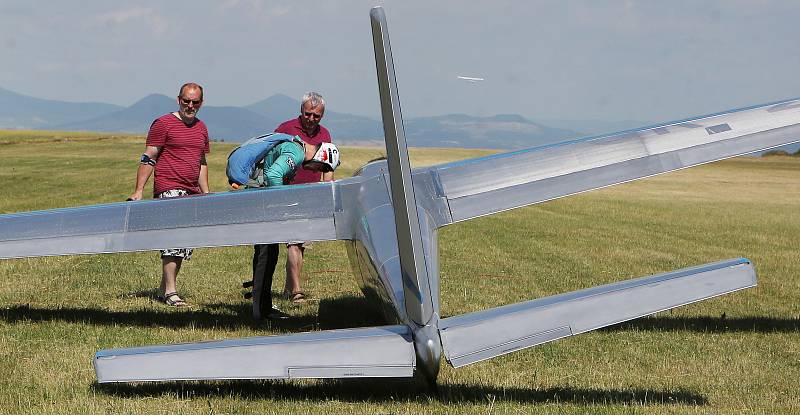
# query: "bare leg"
{"type": "Point", "coordinates": [294, 267]}
{"type": "Point", "coordinates": [170, 265]}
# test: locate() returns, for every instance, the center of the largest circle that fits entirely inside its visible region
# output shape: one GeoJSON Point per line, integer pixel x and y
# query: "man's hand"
{"type": "Point", "coordinates": [137, 195]}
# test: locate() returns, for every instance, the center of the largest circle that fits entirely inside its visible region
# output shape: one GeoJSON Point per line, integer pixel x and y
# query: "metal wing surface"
{"type": "Point", "coordinates": [385, 351]}
{"type": "Point", "coordinates": [481, 335]}
{"type": "Point", "coordinates": [282, 214]}
{"type": "Point", "coordinates": [496, 183]}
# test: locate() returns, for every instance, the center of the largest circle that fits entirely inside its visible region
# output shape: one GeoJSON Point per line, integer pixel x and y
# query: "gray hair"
{"type": "Point", "coordinates": [314, 98]}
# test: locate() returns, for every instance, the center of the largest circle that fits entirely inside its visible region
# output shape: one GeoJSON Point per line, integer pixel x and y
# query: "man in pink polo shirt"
{"type": "Point", "coordinates": [307, 127]}
{"type": "Point", "coordinates": [176, 149]}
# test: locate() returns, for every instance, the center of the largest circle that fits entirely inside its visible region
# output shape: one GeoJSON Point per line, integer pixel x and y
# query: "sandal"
{"type": "Point", "coordinates": [296, 298]}
{"type": "Point", "coordinates": [172, 299]}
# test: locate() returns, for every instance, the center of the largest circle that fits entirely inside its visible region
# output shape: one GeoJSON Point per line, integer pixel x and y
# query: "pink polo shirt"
{"type": "Point", "coordinates": [182, 147]}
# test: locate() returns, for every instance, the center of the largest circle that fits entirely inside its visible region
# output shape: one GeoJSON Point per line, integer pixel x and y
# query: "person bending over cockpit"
{"type": "Point", "coordinates": [248, 169]}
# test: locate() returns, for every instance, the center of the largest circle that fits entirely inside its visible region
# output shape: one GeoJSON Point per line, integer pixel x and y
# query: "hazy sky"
{"type": "Point", "coordinates": [605, 60]}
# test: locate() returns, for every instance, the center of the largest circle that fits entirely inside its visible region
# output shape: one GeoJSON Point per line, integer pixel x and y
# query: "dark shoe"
{"type": "Point", "coordinates": [249, 294]}
{"type": "Point", "coordinates": [276, 314]}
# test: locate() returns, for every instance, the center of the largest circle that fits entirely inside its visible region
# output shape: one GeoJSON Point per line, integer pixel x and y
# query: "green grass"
{"type": "Point", "coordinates": [737, 353]}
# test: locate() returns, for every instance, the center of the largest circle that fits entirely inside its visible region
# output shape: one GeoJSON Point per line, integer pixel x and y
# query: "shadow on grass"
{"type": "Point", "coordinates": [345, 312]}
{"type": "Point", "coordinates": [400, 390]}
{"type": "Point", "coordinates": [711, 324]}
{"type": "Point", "coordinates": [336, 313]}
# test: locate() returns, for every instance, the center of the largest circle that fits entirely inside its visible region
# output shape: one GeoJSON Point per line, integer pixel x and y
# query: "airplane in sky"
{"type": "Point", "coordinates": [390, 214]}
{"type": "Point", "coordinates": [470, 79]}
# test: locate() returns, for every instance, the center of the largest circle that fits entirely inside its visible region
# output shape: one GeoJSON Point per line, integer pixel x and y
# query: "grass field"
{"type": "Point", "coordinates": [734, 354]}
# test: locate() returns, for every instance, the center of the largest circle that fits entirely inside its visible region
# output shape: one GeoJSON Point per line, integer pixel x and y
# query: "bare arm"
{"type": "Point", "coordinates": [203, 179]}
{"type": "Point", "coordinates": [144, 172]}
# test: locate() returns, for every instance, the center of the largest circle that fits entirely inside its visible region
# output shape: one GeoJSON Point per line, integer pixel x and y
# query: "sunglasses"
{"type": "Point", "coordinates": [312, 115]}
{"type": "Point", "coordinates": [196, 102]}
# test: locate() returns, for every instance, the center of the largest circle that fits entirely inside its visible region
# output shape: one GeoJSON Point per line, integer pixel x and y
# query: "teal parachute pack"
{"type": "Point", "coordinates": [242, 162]}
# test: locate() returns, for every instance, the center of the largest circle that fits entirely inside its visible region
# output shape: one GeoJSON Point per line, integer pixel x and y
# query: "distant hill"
{"type": "Point", "coordinates": [236, 124]}
{"type": "Point", "coordinates": [278, 106]}
{"type": "Point", "coordinates": [133, 119]}
{"type": "Point", "coordinates": [500, 131]}
{"type": "Point", "coordinates": [239, 123]}
{"type": "Point", "coordinates": [595, 127]}
{"type": "Point", "coordinates": [224, 123]}
{"type": "Point", "coordinates": [351, 128]}
{"type": "Point", "coordinates": [19, 111]}
{"type": "Point", "coordinates": [457, 130]}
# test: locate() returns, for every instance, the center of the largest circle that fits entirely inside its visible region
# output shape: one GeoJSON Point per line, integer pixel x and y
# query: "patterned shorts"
{"type": "Point", "coordinates": [185, 253]}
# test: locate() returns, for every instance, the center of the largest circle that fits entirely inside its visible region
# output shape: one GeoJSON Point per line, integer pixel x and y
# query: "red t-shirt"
{"type": "Point", "coordinates": [182, 147]}
{"type": "Point", "coordinates": [294, 127]}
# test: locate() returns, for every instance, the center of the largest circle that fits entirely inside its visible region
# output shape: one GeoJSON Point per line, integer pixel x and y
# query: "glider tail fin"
{"type": "Point", "coordinates": [413, 263]}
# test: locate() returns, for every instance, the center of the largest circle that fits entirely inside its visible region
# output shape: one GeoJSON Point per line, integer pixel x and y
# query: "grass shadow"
{"type": "Point", "coordinates": [348, 312]}
{"type": "Point", "coordinates": [336, 313]}
{"type": "Point", "coordinates": [148, 318]}
{"type": "Point", "coordinates": [401, 390]}
{"type": "Point", "coordinates": [720, 324]}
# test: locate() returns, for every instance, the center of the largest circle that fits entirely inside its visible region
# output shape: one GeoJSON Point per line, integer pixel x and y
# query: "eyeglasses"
{"type": "Point", "coordinates": [196, 102]}
{"type": "Point", "coordinates": [312, 115]}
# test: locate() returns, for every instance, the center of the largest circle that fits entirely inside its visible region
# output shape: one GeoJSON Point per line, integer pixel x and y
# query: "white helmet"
{"type": "Point", "coordinates": [327, 154]}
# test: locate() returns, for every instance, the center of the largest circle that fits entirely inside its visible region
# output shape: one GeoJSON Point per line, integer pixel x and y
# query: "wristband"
{"type": "Point", "coordinates": [147, 160]}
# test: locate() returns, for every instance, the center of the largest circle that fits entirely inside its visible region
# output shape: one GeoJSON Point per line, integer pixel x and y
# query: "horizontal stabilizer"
{"type": "Point", "coordinates": [365, 352]}
{"type": "Point", "coordinates": [473, 337]}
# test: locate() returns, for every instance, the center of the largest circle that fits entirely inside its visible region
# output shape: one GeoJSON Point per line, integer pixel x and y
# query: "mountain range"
{"type": "Point", "coordinates": [230, 123]}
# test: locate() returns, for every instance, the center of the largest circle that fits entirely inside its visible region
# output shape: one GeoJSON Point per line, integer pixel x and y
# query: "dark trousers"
{"type": "Point", "coordinates": [265, 258]}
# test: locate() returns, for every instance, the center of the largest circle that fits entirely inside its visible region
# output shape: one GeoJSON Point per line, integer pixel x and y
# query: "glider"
{"type": "Point", "coordinates": [470, 79]}
{"type": "Point", "coordinates": [390, 215]}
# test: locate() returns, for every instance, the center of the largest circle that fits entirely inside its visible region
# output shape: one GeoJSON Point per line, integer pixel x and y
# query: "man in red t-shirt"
{"type": "Point", "coordinates": [176, 149]}
{"type": "Point", "coordinates": [307, 127]}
